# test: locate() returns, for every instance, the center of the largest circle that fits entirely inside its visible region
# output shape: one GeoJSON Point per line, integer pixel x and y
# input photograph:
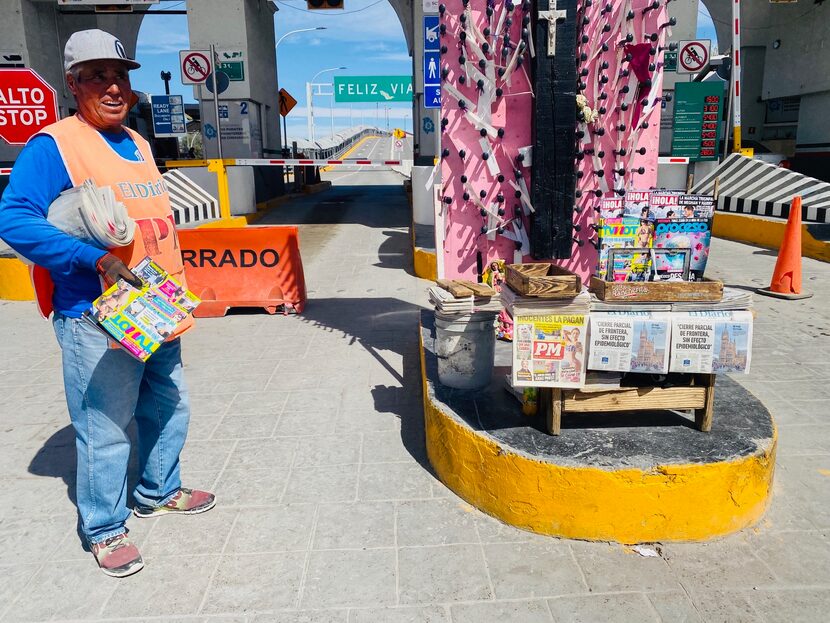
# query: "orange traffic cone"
{"type": "Point", "coordinates": [786, 278]}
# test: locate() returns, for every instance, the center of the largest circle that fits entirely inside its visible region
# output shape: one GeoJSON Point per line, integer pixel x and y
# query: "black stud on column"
{"type": "Point", "coordinates": [554, 149]}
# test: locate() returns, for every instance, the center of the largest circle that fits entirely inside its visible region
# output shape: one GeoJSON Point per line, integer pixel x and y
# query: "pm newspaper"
{"type": "Point", "coordinates": [140, 320]}
{"type": "Point", "coordinates": [549, 349]}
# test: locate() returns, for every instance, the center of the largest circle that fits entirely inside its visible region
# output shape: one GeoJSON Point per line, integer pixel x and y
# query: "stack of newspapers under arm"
{"type": "Point", "coordinates": [92, 215]}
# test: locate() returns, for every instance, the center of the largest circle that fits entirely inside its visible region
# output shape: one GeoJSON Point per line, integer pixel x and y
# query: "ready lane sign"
{"type": "Point", "coordinates": [693, 56]}
{"type": "Point", "coordinates": [372, 89]}
{"type": "Point", "coordinates": [27, 105]}
{"type": "Point", "coordinates": [168, 116]}
{"type": "Point", "coordinates": [195, 66]}
{"type": "Point", "coordinates": [432, 63]}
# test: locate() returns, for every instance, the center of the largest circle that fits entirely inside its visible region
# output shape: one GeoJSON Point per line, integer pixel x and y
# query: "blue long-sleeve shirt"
{"type": "Point", "coordinates": [37, 178]}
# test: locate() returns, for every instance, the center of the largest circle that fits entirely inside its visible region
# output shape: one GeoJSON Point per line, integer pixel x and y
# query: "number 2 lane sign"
{"type": "Point", "coordinates": [195, 66]}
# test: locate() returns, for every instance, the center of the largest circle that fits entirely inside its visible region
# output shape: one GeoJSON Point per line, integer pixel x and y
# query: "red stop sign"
{"type": "Point", "coordinates": [27, 105]}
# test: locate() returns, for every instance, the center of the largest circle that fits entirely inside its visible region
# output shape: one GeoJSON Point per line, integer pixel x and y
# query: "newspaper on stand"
{"type": "Point", "coordinates": [139, 320]}
{"type": "Point", "coordinates": [631, 341]}
{"type": "Point", "coordinates": [711, 341]}
{"type": "Point", "coordinates": [549, 339]}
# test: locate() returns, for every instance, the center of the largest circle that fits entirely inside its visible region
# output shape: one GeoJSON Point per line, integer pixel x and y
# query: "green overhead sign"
{"type": "Point", "coordinates": [372, 89]}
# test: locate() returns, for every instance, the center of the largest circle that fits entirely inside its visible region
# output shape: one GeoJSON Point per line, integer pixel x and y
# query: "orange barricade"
{"type": "Point", "coordinates": [257, 266]}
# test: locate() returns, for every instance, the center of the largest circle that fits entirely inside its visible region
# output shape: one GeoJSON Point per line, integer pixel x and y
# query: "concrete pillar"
{"type": "Point", "coordinates": [249, 108]}
{"type": "Point", "coordinates": [425, 121]}
{"type": "Point", "coordinates": [37, 32]}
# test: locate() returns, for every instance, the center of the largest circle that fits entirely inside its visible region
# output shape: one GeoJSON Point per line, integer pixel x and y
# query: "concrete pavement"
{"type": "Point", "coordinates": [309, 428]}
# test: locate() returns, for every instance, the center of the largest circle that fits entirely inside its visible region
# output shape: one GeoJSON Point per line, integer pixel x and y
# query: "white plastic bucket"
{"type": "Point", "coordinates": [465, 347]}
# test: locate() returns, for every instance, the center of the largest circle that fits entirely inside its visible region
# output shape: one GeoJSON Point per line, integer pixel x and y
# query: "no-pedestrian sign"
{"type": "Point", "coordinates": [693, 56]}
{"type": "Point", "coordinates": [195, 66]}
{"type": "Point", "coordinates": [27, 105]}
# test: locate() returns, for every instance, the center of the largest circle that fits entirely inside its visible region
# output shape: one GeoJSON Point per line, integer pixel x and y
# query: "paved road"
{"type": "Point", "coordinates": [383, 148]}
{"type": "Point", "coordinates": [310, 430]}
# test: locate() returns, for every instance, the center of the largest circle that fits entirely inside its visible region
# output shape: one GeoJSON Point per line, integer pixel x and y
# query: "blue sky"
{"type": "Point", "coordinates": [366, 37]}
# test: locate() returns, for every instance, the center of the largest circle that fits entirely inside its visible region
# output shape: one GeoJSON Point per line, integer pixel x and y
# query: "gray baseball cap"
{"type": "Point", "coordinates": [94, 45]}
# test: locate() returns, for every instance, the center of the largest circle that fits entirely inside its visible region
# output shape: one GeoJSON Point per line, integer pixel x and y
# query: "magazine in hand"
{"type": "Point", "coordinates": [139, 320]}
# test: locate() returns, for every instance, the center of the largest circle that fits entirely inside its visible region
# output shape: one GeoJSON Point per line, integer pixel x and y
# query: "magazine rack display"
{"type": "Point", "coordinates": [650, 333]}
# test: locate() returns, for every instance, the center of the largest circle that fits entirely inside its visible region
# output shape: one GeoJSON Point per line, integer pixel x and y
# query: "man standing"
{"type": "Point", "coordinates": [105, 387]}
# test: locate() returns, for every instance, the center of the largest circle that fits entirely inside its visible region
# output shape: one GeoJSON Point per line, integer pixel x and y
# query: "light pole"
{"type": "Point", "coordinates": [309, 100]}
{"type": "Point", "coordinates": [276, 61]}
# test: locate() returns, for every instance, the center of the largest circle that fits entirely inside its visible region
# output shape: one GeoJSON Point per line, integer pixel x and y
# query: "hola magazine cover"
{"type": "Point", "coordinates": [637, 203]}
{"type": "Point", "coordinates": [139, 320]}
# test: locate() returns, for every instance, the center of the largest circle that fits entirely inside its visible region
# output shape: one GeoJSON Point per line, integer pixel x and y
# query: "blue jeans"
{"type": "Point", "coordinates": [105, 388]}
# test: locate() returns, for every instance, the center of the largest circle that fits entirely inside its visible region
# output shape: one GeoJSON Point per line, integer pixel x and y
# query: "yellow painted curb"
{"type": "Point", "coordinates": [425, 264]}
{"type": "Point", "coordinates": [350, 150]}
{"type": "Point", "coordinates": [234, 221]}
{"type": "Point", "coordinates": [15, 283]}
{"type": "Point", "coordinates": [691, 502]}
{"type": "Point", "coordinates": [765, 232]}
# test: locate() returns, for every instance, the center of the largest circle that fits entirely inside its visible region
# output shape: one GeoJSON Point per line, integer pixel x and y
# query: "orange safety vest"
{"type": "Point", "coordinates": [138, 185]}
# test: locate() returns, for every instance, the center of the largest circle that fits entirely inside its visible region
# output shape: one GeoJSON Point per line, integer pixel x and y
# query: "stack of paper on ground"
{"type": "Point", "coordinates": [92, 215]}
{"type": "Point", "coordinates": [549, 339]}
{"type": "Point", "coordinates": [140, 320]}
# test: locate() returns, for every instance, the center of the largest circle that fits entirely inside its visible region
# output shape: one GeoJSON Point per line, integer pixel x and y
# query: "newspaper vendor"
{"type": "Point", "coordinates": [105, 387]}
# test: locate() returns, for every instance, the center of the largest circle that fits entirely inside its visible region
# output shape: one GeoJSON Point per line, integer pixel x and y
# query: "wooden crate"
{"type": "Point", "coordinates": [657, 291]}
{"type": "Point", "coordinates": [542, 280]}
{"type": "Point", "coordinates": [698, 395]}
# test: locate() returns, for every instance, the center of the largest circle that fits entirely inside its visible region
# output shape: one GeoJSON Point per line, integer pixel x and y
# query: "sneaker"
{"type": "Point", "coordinates": [185, 502]}
{"type": "Point", "coordinates": [117, 556]}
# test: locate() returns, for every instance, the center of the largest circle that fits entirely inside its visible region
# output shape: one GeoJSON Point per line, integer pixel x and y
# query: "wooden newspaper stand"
{"type": "Point", "coordinates": [697, 395]}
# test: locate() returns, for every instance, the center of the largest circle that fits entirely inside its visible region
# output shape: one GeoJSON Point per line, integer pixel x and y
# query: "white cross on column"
{"type": "Point", "coordinates": [553, 17]}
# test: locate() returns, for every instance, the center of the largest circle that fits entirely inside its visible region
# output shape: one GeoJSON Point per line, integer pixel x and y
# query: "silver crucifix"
{"type": "Point", "coordinates": [553, 17]}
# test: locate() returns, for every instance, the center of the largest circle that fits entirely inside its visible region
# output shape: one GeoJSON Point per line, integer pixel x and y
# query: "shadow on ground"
{"type": "Point", "coordinates": [381, 326]}
{"type": "Point", "coordinates": [57, 459]}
